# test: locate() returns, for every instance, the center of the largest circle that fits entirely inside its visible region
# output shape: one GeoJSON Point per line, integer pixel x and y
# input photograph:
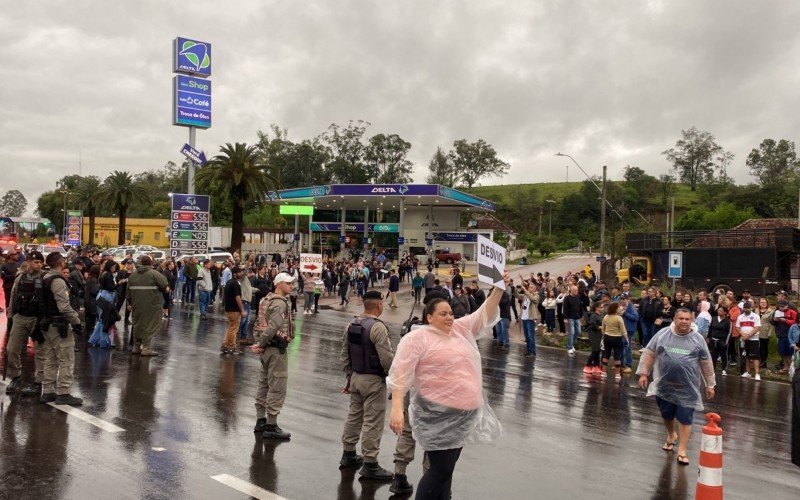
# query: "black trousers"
{"type": "Point", "coordinates": [763, 350]}
{"type": "Point", "coordinates": [437, 480]}
{"type": "Point", "coordinates": [718, 350]}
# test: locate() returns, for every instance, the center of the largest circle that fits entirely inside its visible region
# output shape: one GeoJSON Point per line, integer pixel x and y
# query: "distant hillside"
{"type": "Point", "coordinates": [685, 199]}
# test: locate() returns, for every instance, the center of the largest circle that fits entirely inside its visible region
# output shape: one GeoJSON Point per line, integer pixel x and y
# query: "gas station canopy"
{"type": "Point", "coordinates": [381, 196]}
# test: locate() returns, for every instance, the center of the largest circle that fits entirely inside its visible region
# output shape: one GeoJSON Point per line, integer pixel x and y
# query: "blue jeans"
{"type": "Point", "coordinates": [573, 330]}
{"type": "Point", "coordinates": [189, 290]}
{"type": "Point", "coordinates": [205, 299]}
{"type": "Point", "coordinates": [529, 329]}
{"type": "Point", "coordinates": [648, 330]}
{"type": "Point", "coordinates": [244, 321]}
{"type": "Point", "coordinates": [627, 352]}
{"type": "Point", "coordinates": [550, 319]}
{"type": "Point", "coordinates": [502, 331]}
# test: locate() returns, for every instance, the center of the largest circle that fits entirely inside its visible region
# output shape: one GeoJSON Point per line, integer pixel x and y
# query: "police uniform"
{"type": "Point", "coordinates": [59, 343]}
{"type": "Point", "coordinates": [274, 323]}
{"type": "Point", "coordinates": [366, 357]}
{"type": "Point", "coordinates": [25, 309]}
{"type": "Point", "coordinates": [145, 294]}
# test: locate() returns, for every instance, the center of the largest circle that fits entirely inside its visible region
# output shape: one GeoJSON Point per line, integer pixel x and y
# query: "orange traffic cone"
{"type": "Point", "coordinates": [709, 474]}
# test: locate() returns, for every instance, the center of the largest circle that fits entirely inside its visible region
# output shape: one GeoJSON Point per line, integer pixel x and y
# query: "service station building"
{"type": "Point", "coordinates": [398, 218]}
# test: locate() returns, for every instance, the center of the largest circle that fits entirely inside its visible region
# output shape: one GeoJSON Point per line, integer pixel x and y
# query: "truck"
{"type": "Point", "coordinates": [447, 256]}
{"type": "Point", "coordinates": [762, 260]}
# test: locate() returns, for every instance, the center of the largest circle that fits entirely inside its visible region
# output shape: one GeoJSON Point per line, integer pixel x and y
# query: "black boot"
{"type": "Point", "coordinates": [13, 387]}
{"type": "Point", "coordinates": [371, 470]}
{"type": "Point", "coordinates": [350, 459]}
{"type": "Point", "coordinates": [35, 389]}
{"type": "Point", "coordinates": [400, 484]}
{"type": "Point", "coordinates": [272, 431]}
{"type": "Point", "coordinates": [261, 425]}
{"type": "Point", "coordinates": [47, 398]}
{"type": "Point", "coordinates": [67, 399]}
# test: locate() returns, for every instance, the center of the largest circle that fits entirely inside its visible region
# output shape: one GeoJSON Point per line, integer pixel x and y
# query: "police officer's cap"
{"type": "Point", "coordinates": [77, 261]}
{"type": "Point", "coordinates": [373, 295]}
{"type": "Point", "coordinates": [53, 258]}
{"type": "Point", "coordinates": [37, 255]}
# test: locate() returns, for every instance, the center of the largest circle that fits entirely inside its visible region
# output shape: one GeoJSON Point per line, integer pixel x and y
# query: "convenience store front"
{"type": "Point", "coordinates": [396, 218]}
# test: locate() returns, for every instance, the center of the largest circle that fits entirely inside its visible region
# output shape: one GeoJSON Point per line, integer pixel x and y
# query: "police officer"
{"type": "Point", "coordinates": [59, 356]}
{"type": "Point", "coordinates": [366, 355]}
{"type": "Point", "coordinates": [145, 295]}
{"type": "Point", "coordinates": [25, 309]}
{"type": "Point", "coordinates": [273, 333]}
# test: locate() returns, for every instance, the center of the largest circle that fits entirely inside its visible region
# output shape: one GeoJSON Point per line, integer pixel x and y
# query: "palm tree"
{"type": "Point", "coordinates": [85, 195]}
{"type": "Point", "coordinates": [118, 192]}
{"type": "Point", "coordinates": [240, 174]}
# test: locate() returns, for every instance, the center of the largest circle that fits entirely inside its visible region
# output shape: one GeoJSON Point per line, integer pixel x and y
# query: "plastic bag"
{"type": "Point", "coordinates": [677, 376]}
{"type": "Point", "coordinates": [447, 409]}
{"type": "Point", "coordinates": [794, 365]}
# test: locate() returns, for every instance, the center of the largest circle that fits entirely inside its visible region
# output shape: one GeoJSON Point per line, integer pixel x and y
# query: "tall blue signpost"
{"type": "Point", "coordinates": [191, 91]}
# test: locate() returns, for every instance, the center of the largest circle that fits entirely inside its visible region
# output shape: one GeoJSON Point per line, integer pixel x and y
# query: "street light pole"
{"type": "Point", "coordinates": [550, 217]}
{"type": "Point", "coordinates": [603, 214]}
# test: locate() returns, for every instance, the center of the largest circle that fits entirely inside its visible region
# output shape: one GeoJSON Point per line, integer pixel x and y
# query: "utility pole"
{"type": "Point", "coordinates": [550, 218]}
{"type": "Point", "coordinates": [603, 214]}
{"type": "Point", "coordinates": [672, 223]}
{"type": "Point", "coordinates": [541, 212]}
{"type": "Point", "coordinates": [567, 173]}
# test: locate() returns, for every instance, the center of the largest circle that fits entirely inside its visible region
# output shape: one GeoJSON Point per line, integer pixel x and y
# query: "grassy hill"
{"type": "Point", "coordinates": [685, 199]}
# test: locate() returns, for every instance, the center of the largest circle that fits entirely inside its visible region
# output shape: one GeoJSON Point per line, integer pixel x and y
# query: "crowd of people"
{"type": "Point", "coordinates": [439, 358]}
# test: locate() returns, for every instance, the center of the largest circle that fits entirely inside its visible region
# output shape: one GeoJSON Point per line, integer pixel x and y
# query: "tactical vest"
{"type": "Point", "coordinates": [364, 357]}
{"type": "Point", "coordinates": [286, 320]}
{"type": "Point", "coordinates": [48, 302]}
{"type": "Point", "coordinates": [26, 299]}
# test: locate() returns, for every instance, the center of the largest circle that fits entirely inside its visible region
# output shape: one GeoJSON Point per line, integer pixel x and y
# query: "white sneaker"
{"type": "Point", "coordinates": [758, 376]}
{"type": "Point", "coordinates": [746, 375]}
{"type": "Point", "coordinates": [724, 373]}
{"type": "Point", "coordinates": [571, 352]}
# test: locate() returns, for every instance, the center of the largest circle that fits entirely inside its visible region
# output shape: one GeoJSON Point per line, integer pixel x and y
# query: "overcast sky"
{"type": "Point", "coordinates": [609, 82]}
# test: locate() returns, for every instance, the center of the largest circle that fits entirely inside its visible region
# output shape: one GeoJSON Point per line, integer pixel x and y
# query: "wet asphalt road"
{"type": "Point", "coordinates": [187, 415]}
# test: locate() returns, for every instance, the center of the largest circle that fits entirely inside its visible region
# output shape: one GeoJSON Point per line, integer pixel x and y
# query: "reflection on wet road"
{"type": "Point", "coordinates": [188, 414]}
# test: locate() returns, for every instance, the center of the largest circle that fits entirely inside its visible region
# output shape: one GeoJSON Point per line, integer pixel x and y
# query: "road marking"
{"type": "Point", "coordinates": [246, 488]}
{"type": "Point", "coordinates": [158, 448]}
{"type": "Point", "coordinates": [91, 419]}
{"type": "Point", "coordinates": [82, 415]}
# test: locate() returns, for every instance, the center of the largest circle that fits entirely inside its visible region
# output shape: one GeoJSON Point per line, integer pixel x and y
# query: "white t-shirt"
{"type": "Point", "coordinates": [746, 323]}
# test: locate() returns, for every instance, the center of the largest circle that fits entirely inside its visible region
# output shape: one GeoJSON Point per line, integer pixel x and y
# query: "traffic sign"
{"type": "Point", "coordinates": [675, 269]}
{"type": "Point", "coordinates": [342, 239]}
{"type": "Point", "coordinates": [429, 242]}
{"type": "Point", "coordinates": [296, 237]}
{"type": "Point", "coordinates": [311, 263]}
{"type": "Point", "coordinates": [401, 240]}
{"type": "Point", "coordinates": [196, 156]}
{"type": "Point", "coordinates": [600, 258]}
{"type": "Point", "coordinates": [491, 262]}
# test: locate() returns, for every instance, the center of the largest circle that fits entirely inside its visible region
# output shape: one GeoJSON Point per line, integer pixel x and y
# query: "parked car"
{"type": "Point", "coordinates": [48, 249]}
{"type": "Point", "coordinates": [447, 256]}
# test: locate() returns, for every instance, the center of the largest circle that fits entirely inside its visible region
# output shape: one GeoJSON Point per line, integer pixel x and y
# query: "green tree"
{"type": "Point", "coordinates": [475, 160]}
{"type": "Point", "coordinates": [522, 203]}
{"type": "Point", "coordinates": [84, 196]}
{"type": "Point", "coordinates": [441, 170]}
{"type": "Point", "coordinates": [666, 187]}
{"type": "Point", "coordinates": [240, 173]}
{"type": "Point", "coordinates": [773, 162]}
{"type": "Point", "coordinates": [13, 204]}
{"type": "Point", "coordinates": [386, 159]}
{"type": "Point", "coordinates": [724, 216]}
{"type": "Point", "coordinates": [349, 164]}
{"type": "Point", "coordinates": [118, 192]}
{"type": "Point", "coordinates": [694, 156]}
{"type": "Point", "coordinates": [306, 164]}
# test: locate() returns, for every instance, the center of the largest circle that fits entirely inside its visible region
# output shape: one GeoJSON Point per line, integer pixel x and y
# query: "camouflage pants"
{"type": "Point", "coordinates": [271, 391]}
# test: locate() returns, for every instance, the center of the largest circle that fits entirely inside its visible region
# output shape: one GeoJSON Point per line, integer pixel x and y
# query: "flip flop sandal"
{"type": "Point", "coordinates": [668, 446]}
{"type": "Point", "coordinates": [683, 460]}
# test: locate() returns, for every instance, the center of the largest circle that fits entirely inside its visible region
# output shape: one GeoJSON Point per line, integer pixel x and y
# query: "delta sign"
{"type": "Point", "coordinates": [191, 57]}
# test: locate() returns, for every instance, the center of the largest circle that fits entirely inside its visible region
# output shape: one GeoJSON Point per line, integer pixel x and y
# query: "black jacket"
{"type": "Point", "coordinates": [573, 307]}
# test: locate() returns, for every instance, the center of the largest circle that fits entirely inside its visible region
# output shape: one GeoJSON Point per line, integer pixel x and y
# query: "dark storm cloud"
{"type": "Point", "coordinates": [608, 82]}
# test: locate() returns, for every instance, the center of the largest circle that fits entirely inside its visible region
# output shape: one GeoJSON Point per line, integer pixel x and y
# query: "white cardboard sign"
{"type": "Point", "coordinates": [311, 263]}
{"type": "Point", "coordinates": [491, 262]}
